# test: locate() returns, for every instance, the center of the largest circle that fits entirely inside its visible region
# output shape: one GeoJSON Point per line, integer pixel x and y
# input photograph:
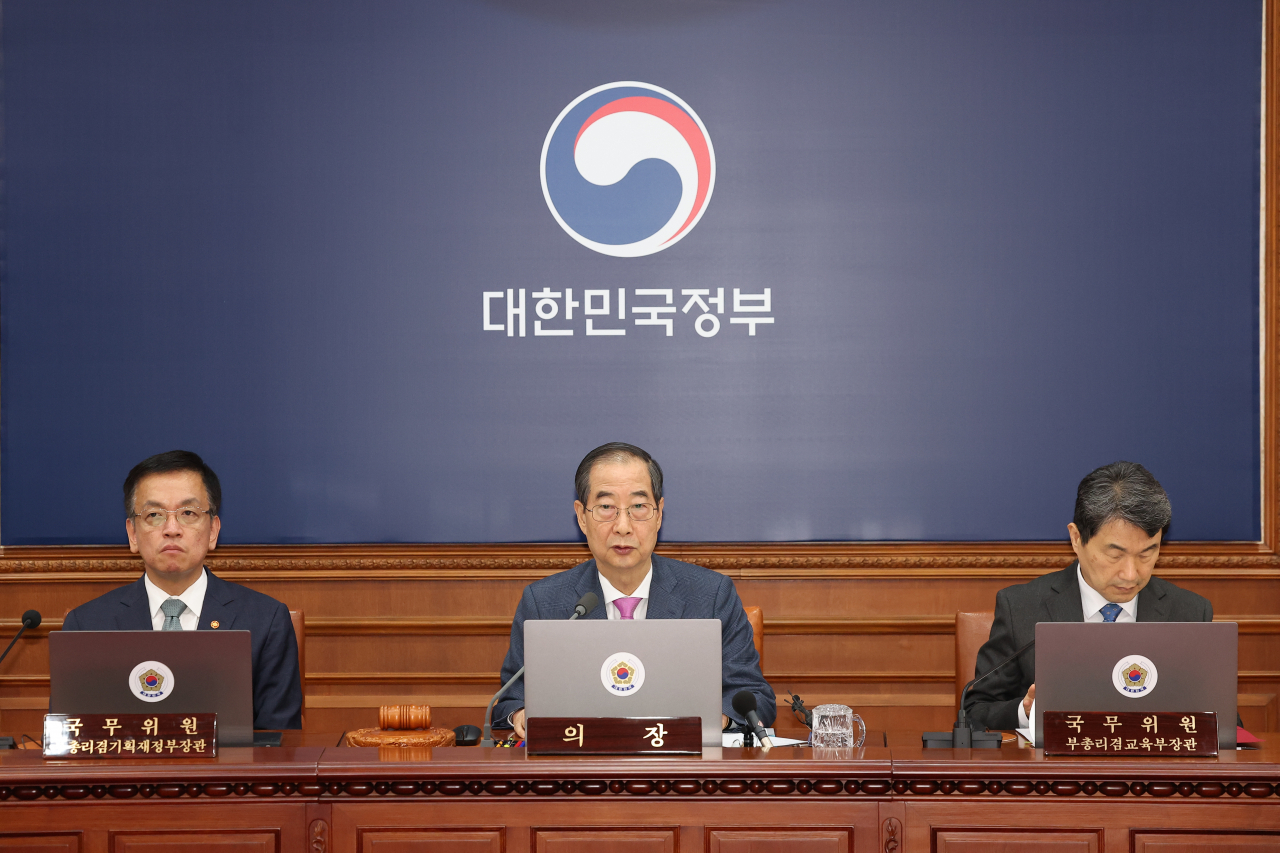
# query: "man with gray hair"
{"type": "Point", "coordinates": [1121, 515]}
{"type": "Point", "coordinates": [619, 509]}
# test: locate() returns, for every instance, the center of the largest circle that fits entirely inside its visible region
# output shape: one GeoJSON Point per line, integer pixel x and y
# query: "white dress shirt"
{"type": "Point", "coordinates": [1092, 602]}
{"type": "Point", "coordinates": [611, 595]}
{"type": "Point", "coordinates": [192, 596]}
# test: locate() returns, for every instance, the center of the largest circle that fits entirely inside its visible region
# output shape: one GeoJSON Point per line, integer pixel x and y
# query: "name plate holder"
{"type": "Point", "coordinates": [130, 735]}
{"type": "Point", "coordinates": [1131, 733]}
{"type": "Point", "coordinates": [614, 736]}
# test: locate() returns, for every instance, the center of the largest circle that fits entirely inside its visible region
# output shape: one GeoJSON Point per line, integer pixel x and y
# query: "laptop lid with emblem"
{"type": "Point", "coordinates": [625, 668]}
{"type": "Point", "coordinates": [1138, 666]}
{"type": "Point", "coordinates": [169, 672]}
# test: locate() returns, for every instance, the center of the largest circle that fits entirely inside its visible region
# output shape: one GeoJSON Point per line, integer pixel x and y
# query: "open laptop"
{"type": "Point", "coordinates": [624, 668]}
{"type": "Point", "coordinates": [1182, 666]}
{"type": "Point", "coordinates": [169, 672]}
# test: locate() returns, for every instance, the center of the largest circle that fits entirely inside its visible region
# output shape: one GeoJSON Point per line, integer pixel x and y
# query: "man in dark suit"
{"type": "Point", "coordinates": [1121, 515]}
{"type": "Point", "coordinates": [619, 508]}
{"type": "Point", "coordinates": [171, 515]}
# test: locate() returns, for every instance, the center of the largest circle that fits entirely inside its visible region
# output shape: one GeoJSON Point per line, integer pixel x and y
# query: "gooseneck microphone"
{"type": "Point", "coordinates": [30, 619]}
{"type": "Point", "coordinates": [963, 735]}
{"type": "Point", "coordinates": [584, 606]}
{"type": "Point", "coordinates": [744, 702]}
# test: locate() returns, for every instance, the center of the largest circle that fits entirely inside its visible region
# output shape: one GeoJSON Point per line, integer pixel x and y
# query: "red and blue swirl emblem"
{"type": "Point", "coordinates": [628, 169]}
{"type": "Point", "coordinates": [151, 681]}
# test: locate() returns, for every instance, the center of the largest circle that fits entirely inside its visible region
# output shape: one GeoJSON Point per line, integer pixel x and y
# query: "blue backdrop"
{"type": "Point", "coordinates": [1004, 242]}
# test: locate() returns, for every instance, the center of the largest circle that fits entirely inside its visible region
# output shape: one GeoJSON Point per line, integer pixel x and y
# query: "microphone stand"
{"type": "Point", "coordinates": [963, 734]}
{"type": "Point", "coordinates": [30, 619]}
{"type": "Point", "coordinates": [584, 606]}
{"type": "Point", "coordinates": [486, 738]}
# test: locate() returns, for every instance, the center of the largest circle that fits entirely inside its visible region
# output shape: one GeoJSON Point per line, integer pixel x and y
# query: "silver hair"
{"type": "Point", "coordinates": [1125, 491]}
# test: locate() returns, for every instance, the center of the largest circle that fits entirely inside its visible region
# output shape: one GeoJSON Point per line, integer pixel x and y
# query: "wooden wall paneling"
{"type": "Point", "coordinates": [186, 827]}
{"type": "Point", "coordinates": [622, 821]}
{"type": "Point", "coordinates": [859, 637]}
{"type": "Point", "coordinates": [51, 843]}
{"type": "Point", "coordinates": [442, 840]}
{"type": "Point", "coordinates": [794, 839]}
{"type": "Point", "coordinates": [195, 841]}
{"type": "Point", "coordinates": [1007, 841]}
{"type": "Point", "coordinates": [637, 839]}
{"type": "Point", "coordinates": [1104, 824]}
{"type": "Point", "coordinates": [1205, 842]}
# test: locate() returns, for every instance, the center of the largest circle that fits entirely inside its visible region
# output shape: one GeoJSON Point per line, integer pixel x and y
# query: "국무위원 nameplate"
{"type": "Point", "coordinates": [1130, 733]}
{"type": "Point", "coordinates": [130, 735]}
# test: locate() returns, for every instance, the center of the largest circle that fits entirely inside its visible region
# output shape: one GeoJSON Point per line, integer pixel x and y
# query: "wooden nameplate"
{"type": "Point", "coordinates": [1131, 733]}
{"type": "Point", "coordinates": [130, 735]}
{"type": "Point", "coordinates": [614, 736]}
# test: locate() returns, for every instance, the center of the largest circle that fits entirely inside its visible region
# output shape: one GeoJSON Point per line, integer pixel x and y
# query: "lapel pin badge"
{"type": "Point", "coordinates": [214, 624]}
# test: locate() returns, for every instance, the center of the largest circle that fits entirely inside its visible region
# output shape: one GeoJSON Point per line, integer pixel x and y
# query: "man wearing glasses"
{"type": "Point", "coordinates": [619, 508]}
{"type": "Point", "coordinates": [171, 515]}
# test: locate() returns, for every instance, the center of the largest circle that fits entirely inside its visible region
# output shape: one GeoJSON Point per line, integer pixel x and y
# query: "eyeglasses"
{"type": "Point", "coordinates": [188, 516]}
{"type": "Point", "coordinates": [608, 512]}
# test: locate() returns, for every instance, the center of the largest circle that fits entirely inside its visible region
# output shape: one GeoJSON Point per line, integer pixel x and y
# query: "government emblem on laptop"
{"type": "Point", "coordinates": [622, 674]}
{"type": "Point", "coordinates": [1134, 676]}
{"type": "Point", "coordinates": [151, 681]}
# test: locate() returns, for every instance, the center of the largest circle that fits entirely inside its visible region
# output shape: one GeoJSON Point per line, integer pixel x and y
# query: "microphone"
{"type": "Point", "coordinates": [744, 702]}
{"type": "Point", "coordinates": [30, 619]}
{"type": "Point", "coordinates": [584, 606]}
{"type": "Point", "coordinates": [963, 734]}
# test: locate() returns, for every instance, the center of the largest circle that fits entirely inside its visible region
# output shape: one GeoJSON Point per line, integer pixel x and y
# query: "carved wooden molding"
{"type": "Point", "coordinates": [1002, 561]}
{"type": "Point", "coordinates": [892, 832]}
{"type": "Point", "coordinates": [319, 836]}
{"type": "Point", "coordinates": [753, 784]}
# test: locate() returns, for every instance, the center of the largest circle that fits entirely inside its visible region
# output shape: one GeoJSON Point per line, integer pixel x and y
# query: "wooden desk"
{"type": "Point", "coordinates": [980, 800]}
{"type": "Point", "coordinates": [889, 800]}
{"type": "Point", "coordinates": [250, 800]}
{"type": "Point", "coordinates": [727, 800]}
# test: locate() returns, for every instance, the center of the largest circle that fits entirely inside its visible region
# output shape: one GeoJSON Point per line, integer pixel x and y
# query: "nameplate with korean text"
{"type": "Point", "coordinates": [1131, 733]}
{"type": "Point", "coordinates": [614, 736]}
{"type": "Point", "coordinates": [130, 735]}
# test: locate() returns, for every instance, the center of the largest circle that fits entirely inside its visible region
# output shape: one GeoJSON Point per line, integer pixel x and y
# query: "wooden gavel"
{"type": "Point", "coordinates": [404, 717]}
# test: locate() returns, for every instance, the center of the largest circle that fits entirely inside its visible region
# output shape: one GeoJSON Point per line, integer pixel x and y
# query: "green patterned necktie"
{"type": "Point", "coordinates": [172, 608]}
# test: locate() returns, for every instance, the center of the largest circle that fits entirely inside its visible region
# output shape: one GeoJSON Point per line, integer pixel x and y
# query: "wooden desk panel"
{"type": "Point", "coordinates": [969, 800]}
{"type": "Point", "coordinates": [727, 800]}
{"type": "Point", "coordinates": [243, 801]}
{"type": "Point", "coordinates": [901, 798]}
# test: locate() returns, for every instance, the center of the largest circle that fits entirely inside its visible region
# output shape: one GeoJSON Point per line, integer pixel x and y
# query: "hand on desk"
{"type": "Point", "coordinates": [1029, 700]}
{"type": "Point", "coordinates": [517, 720]}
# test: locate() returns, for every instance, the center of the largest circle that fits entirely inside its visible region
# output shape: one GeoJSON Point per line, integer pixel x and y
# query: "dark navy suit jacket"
{"type": "Point", "coordinates": [676, 591]}
{"type": "Point", "coordinates": [277, 686]}
{"type": "Point", "coordinates": [1054, 597]}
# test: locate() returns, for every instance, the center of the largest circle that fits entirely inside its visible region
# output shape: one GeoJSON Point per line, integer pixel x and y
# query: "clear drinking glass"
{"type": "Point", "coordinates": [834, 728]}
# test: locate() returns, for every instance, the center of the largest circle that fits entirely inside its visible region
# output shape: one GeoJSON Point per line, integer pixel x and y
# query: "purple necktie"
{"type": "Point", "coordinates": [627, 606]}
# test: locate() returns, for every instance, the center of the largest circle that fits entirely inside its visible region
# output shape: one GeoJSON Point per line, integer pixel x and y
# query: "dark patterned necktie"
{"type": "Point", "coordinates": [172, 609]}
{"type": "Point", "coordinates": [1110, 612]}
